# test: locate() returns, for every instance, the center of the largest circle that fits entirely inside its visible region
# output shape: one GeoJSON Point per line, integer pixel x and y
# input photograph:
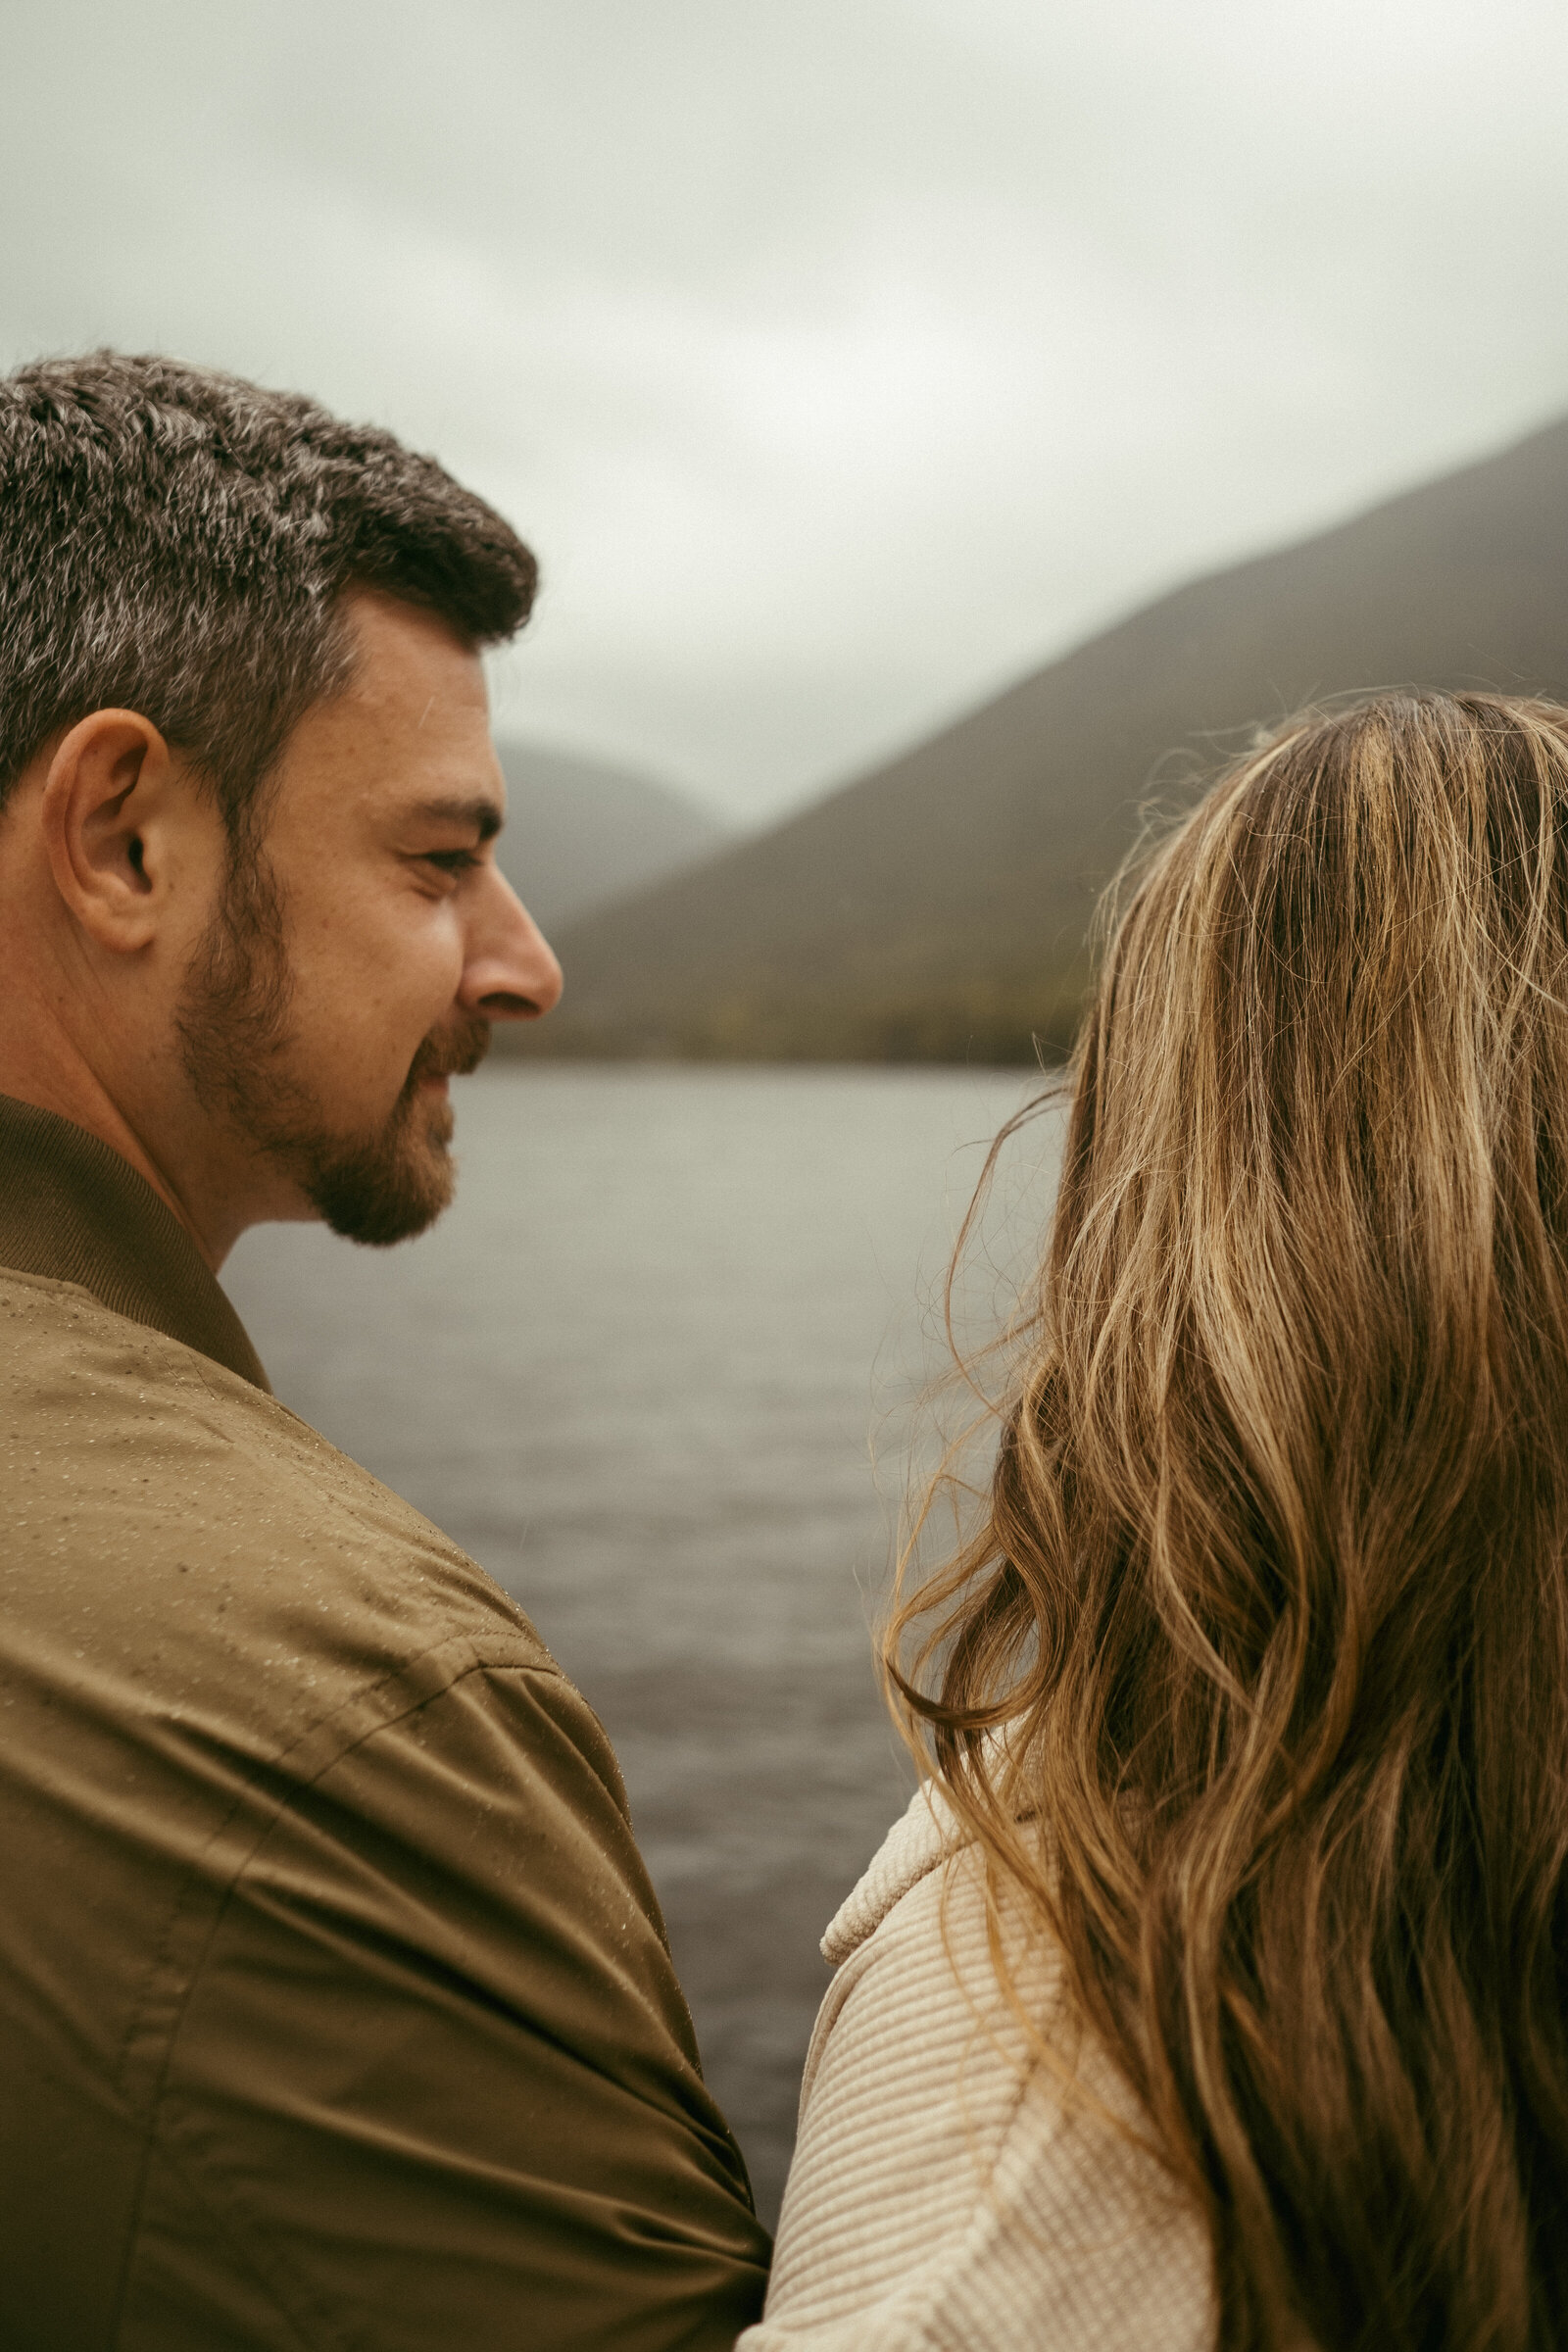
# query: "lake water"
{"type": "Point", "coordinates": [636, 1371]}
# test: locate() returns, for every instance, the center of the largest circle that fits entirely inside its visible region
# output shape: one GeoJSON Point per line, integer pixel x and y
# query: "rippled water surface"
{"type": "Point", "coordinates": [636, 1371]}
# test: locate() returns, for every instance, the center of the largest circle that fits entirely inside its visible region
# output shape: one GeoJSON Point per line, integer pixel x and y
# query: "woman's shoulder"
{"type": "Point", "coordinates": [927, 1834]}
{"type": "Point", "coordinates": [949, 2189]}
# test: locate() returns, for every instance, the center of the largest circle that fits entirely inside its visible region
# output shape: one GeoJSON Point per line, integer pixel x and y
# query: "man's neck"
{"type": "Point", "coordinates": [73, 1210]}
{"type": "Point", "coordinates": [43, 1064]}
{"type": "Point", "coordinates": [75, 1094]}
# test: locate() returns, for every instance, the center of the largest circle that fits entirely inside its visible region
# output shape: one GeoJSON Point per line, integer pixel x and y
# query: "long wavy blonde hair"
{"type": "Point", "coordinates": [1270, 1586]}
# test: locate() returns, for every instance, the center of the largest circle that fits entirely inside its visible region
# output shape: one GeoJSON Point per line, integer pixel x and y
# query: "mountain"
{"type": "Point", "coordinates": [937, 907]}
{"type": "Point", "coordinates": [582, 833]}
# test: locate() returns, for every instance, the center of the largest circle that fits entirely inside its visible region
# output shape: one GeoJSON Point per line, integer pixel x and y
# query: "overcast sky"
{"type": "Point", "coordinates": [843, 359]}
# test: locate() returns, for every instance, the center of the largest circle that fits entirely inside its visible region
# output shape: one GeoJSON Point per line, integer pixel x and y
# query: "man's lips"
{"type": "Point", "coordinates": [453, 1057]}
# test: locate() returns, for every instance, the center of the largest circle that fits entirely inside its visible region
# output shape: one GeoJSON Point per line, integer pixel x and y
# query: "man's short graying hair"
{"type": "Point", "coordinates": [175, 542]}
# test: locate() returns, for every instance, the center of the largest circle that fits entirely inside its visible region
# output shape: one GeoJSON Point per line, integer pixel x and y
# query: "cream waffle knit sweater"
{"type": "Point", "coordinates": [945, 2194]}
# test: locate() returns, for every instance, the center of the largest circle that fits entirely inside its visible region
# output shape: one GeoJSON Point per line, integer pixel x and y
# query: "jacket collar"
{"type": "Point", "coordinates": [72, 1209]}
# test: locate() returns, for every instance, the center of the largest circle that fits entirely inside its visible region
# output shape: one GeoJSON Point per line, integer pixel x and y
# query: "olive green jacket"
{"type": "Point", "coordinates": [336, 2005]}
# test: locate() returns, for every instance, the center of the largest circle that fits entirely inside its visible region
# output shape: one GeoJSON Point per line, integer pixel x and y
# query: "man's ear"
{"type": "Point", "coordinates": [113, 801]}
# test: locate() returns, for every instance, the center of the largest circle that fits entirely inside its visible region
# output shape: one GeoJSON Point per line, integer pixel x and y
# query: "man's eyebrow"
{"type": "Point", "coordinates": [483, 814]}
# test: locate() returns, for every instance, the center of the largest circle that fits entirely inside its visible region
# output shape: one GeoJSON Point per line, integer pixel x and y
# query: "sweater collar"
{"type": "Point", "coordinates": [72, 1210]}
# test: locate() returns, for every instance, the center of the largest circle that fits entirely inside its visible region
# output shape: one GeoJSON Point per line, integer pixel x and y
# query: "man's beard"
{"type": "Point", "coordinates": [378, 1187]}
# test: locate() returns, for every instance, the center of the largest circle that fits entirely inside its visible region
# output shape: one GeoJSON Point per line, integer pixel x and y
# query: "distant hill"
{"type": "Point", "coordinates": [937, 907]}
{"type": "Point", "coordinates": [582, 833]}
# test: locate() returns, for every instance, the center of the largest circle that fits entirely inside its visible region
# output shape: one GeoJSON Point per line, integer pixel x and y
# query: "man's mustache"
{"type": "Point", "coordinates": [449, 1052]}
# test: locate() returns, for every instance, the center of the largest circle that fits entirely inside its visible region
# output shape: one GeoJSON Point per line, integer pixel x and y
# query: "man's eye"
{"type": "Point", "coordinates": [452, 862]}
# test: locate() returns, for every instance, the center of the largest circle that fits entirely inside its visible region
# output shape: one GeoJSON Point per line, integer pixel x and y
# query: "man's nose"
{"type": "Point", "coordinates": [510, 973]}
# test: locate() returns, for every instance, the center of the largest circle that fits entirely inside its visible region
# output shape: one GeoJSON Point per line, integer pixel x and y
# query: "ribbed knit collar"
{"type": "Point", "coordinates": [71, 1208]}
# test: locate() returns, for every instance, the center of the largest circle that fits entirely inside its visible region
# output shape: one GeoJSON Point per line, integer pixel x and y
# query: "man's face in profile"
{"type": "Point", "coordinates": [365, 941]}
